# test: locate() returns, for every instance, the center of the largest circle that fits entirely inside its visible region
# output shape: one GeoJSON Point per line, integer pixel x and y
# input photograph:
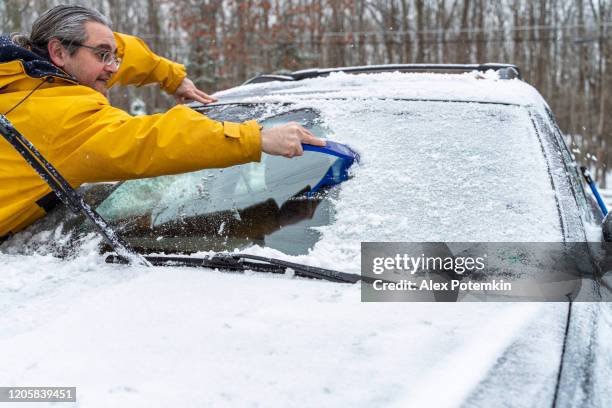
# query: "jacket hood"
{"type": "Point", "coordinates": [34, 65]}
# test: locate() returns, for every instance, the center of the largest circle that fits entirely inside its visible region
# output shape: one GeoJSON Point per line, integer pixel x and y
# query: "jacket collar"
{"type": "Point", "coordinates": [34, 65]}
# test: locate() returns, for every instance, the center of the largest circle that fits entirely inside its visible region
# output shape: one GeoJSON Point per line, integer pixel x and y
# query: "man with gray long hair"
{"type": "Point", "coordinates": [68, 25]}
{"type": "Point", "coordinates": [53, 88]}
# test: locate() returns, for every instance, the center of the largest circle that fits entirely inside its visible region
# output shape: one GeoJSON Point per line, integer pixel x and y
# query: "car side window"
{"type": "Point", "coordinates": [585, 200]}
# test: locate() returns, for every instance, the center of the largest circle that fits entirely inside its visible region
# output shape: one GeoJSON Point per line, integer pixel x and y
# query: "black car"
{"type": "Point", "coordinates": [470, 155]}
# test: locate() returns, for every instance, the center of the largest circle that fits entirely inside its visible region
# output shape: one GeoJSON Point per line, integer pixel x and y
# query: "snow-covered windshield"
{"type": "Point", "coordinates": [458, 171]}
{"type": "Point", "coordinates": [451, 171]}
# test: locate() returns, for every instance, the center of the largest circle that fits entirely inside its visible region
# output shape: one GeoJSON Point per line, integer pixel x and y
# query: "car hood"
{"type": "Point", "coordinates": [143, 337]}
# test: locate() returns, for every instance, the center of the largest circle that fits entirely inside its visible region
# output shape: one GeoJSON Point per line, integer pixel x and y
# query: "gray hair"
{"type": "Point", "coordinates": [64, 22]}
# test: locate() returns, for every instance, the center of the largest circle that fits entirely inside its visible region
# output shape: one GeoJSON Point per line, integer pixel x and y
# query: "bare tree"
{"type": "Point", "coordinates": [563, 47]}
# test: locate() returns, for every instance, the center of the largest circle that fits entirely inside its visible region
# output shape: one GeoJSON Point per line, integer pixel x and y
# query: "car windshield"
{"type": "Point", "coordinates": [267, 203]}
{"type": "Point", "coordinates": [430, 170]}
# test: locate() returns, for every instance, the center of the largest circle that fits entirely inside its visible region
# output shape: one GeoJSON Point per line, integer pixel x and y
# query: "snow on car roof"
{"type": "Point", "coordinates": [472, 86]}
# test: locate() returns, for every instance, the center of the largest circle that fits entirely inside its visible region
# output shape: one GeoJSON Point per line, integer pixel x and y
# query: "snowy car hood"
{"type": "Point", "coordinates": [131, 337]}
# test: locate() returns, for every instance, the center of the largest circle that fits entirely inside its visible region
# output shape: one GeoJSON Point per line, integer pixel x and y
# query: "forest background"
{"type": "Point", "coordinates": [563, 47]}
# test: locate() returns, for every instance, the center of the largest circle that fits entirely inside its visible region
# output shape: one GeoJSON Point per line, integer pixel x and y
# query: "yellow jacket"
{"type": "Point", "coordinates": [87, 140]}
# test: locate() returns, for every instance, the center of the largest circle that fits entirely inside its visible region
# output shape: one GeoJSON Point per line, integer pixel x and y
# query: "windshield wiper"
{"type": "Point", "coordinates": [246, 262]}
{"type": "Point", "coordinates": [64, 190]}
{"type": "Point", "coordinates": [233, 262]}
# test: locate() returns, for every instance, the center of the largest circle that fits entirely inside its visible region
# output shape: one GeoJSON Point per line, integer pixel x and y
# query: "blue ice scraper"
{"type": "Point", "coordinates": [338, 171]}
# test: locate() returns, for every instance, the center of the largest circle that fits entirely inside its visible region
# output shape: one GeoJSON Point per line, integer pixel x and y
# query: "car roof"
{"type": "Point", "coordinates": [475, 86]}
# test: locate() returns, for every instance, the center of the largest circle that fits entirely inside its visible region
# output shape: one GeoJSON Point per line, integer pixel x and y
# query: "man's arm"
{"type": "Point", "coordinates": [140, 66]}
{"type": "Point", "coordinates": [94, 142]}
{"type": "Point", "coordinates": [103, 143]}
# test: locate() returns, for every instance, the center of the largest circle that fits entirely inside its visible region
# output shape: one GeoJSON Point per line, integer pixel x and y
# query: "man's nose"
{"type": "Point", "coordinates": [112, 68]}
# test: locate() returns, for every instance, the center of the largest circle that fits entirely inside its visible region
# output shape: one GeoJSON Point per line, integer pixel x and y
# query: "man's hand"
{"type": "Point", "coordinates": [188, 91]}
{"type": "Point", "coordinates": [286, 140]}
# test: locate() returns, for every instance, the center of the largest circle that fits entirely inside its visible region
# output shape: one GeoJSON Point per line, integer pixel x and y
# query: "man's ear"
{"type": "Point", "coordinates": [57, 52]}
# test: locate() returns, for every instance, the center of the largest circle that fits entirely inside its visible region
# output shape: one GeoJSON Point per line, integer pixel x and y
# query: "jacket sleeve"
{"type": "Point", "coordinates": [101, 143]}
{"type": "Point", "coordinates": [140, 66]}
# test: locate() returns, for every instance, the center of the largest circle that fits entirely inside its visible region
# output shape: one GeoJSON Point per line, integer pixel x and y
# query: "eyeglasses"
{"type": "Point", "coordinates": [106, 56]}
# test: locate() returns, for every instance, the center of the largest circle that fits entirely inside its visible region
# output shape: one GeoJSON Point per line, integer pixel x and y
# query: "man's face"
{"type": "Point", "coordinates": [86, 64]}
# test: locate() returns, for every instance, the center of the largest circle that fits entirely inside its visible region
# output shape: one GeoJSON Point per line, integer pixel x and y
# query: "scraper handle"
{"type": "Point", "coordinates": [334, 149]}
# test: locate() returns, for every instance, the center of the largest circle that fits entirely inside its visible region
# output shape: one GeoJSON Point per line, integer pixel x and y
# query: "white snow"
{"type": "Point", "coordinates": [471, 86]}
{"type": "Point", "coordinates": [179, 337]}
{"type": "Point", "coordinates": [186, 337]}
